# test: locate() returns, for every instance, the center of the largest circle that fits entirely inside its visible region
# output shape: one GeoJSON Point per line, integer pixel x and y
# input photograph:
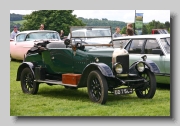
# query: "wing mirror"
{"type": "Point", "coordinates": [144, 57]}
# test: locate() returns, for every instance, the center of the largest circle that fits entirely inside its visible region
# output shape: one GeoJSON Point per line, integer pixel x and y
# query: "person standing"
{"type": "Point", "coordinates": [129, 31]}
{"type": "Point", "coordinates": [129, 25]}
{"type": "Point", "coordinates": [62, 34]}
{"type": "Point", "coordinates": [14, 32]}
{"type": "Point", "coordinates": [117, 32]}
{"type": "Point", "coordinates": [41, 27]}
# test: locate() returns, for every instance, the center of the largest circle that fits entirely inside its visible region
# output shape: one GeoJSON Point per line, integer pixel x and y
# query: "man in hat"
{"type": "Point", "coordinates": [14, 32]}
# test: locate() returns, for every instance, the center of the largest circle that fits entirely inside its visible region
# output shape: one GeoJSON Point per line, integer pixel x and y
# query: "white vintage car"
{"type": "Point", "coordinates": [155, 46]}
{"type": "Point", "coordinates": [95, 35]}
{"type": "Point", "coordinates": [26, 39]}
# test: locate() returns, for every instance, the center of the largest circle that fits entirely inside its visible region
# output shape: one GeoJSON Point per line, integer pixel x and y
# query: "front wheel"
{"type": "Point", "coordinates": [27, 82]}
{"type": "Point", "coordinates": [97, 87]}
{"type": "Point", "coordinates": [148, 90]}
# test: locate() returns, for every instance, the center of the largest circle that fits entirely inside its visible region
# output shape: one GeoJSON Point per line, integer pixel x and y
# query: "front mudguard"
{"type": "Point", "coordinates": [149, 64]}
{"type": "Point", "coordinates": [103, 68]}
{"type": "Point", "coordinates": [22, 66]}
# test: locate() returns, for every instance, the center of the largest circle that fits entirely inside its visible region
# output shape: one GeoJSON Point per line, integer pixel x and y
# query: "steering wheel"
{"type": "Point", "coordinates": [79, 44]}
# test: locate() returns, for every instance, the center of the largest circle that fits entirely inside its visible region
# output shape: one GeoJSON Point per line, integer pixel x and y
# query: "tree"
{"type": "Point", "coordinates": [104, 19]}
{"type": "Point", "coordinates": [167, 25]}
{"type": "Point", "coordinates": [156, 25]}
{"type": "Point", "coordinates": [16, 17]}
{"type": "Point", "coordinates": [123, 30]}
{"type": "Point", "coordinates": [144, 30]}
{"type": "Point", "coordinates": [52, 19]}
{"type": "Point", "coordinates": [103, 22]}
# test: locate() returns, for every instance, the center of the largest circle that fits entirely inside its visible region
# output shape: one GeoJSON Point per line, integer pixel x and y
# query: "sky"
{"type": "Point", "coordinates": [116, 15]}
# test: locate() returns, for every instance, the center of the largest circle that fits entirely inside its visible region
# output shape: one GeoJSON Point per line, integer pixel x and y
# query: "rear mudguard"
{"type": "Point", "coordinates": [22, 66]}
{"type": "Point", "coordinates": [149, 64]}
{"type": "Point", "coordinates": [103, 68]}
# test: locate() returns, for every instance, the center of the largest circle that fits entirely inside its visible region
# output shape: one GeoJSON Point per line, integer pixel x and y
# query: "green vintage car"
{"type": "Point", "coordinates": [101, 68]}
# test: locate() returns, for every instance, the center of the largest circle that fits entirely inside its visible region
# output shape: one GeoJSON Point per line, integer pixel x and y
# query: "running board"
{"type": "Point", "coordinates": [135, 80]}
{"type": "Point", "coordinates": [55, 82]}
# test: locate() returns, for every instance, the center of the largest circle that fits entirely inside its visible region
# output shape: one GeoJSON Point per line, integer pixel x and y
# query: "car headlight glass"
{"type": "Point", "coordinates": [118, 68]}
{"type": "Point", "coordinates": [140, 67]}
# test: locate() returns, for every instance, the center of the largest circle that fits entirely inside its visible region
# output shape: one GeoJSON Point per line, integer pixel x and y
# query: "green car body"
{"type": "Point", "coordinates": [103, 69]}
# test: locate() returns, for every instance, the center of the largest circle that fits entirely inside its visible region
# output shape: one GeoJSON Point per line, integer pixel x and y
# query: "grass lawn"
{"type": "Point", "coordinates": [58, 101]}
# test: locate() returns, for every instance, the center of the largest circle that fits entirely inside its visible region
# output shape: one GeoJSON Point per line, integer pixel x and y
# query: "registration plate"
{"type": "Point", "coordinates": [122, 91]}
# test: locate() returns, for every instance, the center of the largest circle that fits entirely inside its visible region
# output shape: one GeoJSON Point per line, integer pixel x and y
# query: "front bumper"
{"type": "Point", "coordinates": [131, 79]}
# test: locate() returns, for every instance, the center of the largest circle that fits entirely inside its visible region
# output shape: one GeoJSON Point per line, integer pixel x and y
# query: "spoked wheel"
{"type": "Point", "coordinates": [97, 87]}
{"type": "Point", "coordinates": [27, 82]}
{"type": "Point", "coordinates": [149, 89]}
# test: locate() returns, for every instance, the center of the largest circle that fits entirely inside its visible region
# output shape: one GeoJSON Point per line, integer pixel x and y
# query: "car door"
{"type": "Point", "coordinates": [135, 49]}
{"type": "Point", "coordinates": [165, 42]}
{"type": "Point", "coordinates": [138, 47]}
{"type": "Point", "coordinates": [80, 60]}
{"type": "Point", "coordinates": [60, 60]}
{"type": "Point", "coordinates": [157, 58]}
{"type": "Point", "coordinates": [160, 60]}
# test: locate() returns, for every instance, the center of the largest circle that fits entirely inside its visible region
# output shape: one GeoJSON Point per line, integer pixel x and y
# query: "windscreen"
{"type": "Point", "coordinates": [42, 36]}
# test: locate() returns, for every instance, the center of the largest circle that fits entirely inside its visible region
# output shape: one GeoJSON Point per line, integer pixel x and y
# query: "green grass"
{"type": "Point", "coordinates": [58, 101]}
{"type": "Point", "coordinates": [20, 22]}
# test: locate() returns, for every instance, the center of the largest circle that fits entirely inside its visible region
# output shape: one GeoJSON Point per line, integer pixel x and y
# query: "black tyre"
{"type": "Point", "coordinates": [149, 89]}
{"type": "Point", "coordinates": [27, 82]}
{"type": "Point", "coordinates": [97, 87]}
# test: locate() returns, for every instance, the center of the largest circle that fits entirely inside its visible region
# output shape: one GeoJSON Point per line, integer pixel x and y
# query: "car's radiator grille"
{"type": "Point", "coordinates": [124, 60]}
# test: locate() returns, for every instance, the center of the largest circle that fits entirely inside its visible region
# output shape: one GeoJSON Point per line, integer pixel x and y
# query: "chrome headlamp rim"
{"type": "Point", "coordinates": [140, 66]}
{"type": "Point", "coordinates": [118, 68]}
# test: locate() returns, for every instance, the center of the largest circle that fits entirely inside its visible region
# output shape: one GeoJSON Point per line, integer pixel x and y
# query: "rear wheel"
{"type": "Point", "coordinates": [27, 82]}
{"type": "Point", "coordinates": [97, 87]}
{"type": "Point", "coordinates": [149, 89]}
